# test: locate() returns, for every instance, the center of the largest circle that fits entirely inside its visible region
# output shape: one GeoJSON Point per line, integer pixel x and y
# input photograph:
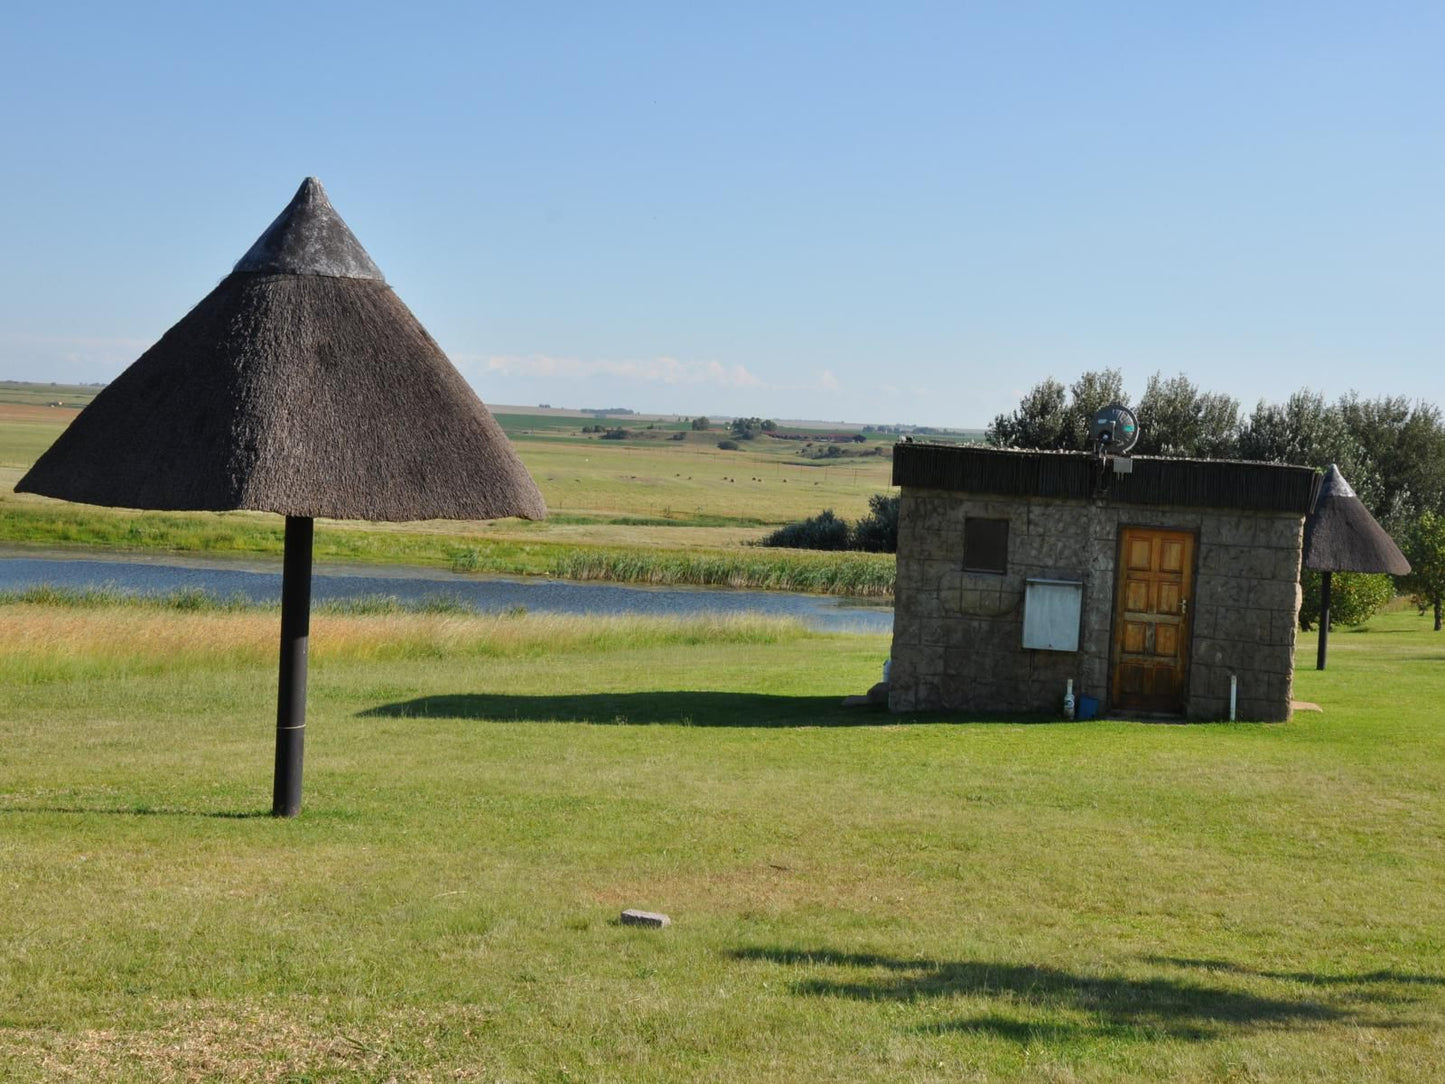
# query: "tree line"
{"type": "Point", "coordinates": [1390, 449]}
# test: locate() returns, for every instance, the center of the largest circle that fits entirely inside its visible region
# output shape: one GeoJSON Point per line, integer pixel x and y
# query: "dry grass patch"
{"type": "Point", "coordinates": [270, 1041]}
{"type": "Point", "coordinates": [46, 642]}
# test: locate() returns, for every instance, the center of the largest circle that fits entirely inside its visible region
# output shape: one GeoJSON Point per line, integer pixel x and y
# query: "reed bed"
{"type": "Point", "coordinates": [861, 575]}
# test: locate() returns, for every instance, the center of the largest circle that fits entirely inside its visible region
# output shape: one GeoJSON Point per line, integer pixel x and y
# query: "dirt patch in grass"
{"type": "Point", "coordinates": [204, 1041]}
{"type": "Point", "coordinates": [18, 412]}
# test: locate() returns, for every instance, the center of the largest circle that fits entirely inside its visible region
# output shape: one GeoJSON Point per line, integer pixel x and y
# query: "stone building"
{"type": "Point", "coordinates": [1148, 582]}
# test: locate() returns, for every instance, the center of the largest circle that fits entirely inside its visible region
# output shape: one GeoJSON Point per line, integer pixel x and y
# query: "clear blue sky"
{"type": "Point", "coordinates": [882, 212]}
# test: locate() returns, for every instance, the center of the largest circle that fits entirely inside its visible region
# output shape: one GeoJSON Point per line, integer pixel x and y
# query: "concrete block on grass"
{"type": "Point", "coordinates": [633, 917]}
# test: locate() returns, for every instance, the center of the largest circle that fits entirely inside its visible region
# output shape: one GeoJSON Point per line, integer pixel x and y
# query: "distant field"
{"type": "Point", "coordinates": [26, 430]}
{"type": "Point", "coordinates": [26, 394]}
{"type": "Point", "coordinates": [586, 479]}
{"type": "Point", "coordinates": [652, 494]}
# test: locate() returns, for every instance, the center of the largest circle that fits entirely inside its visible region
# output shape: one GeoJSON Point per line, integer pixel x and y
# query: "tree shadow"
{"type": "Point", "coordinates": [1383, 977]}
{"type": "Point", "coordinates": [140, 811]}
{"type": "Point", "coordinates": [1112, 1006]}
{"type": "Point", "coordinates": [669, 707]}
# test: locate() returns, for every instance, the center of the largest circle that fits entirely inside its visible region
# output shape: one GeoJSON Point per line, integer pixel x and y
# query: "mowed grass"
{"type": "Point", "coordinates": [854, 896]}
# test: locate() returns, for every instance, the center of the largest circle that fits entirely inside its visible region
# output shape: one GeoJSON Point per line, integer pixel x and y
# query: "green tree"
{"type": "Point", "coordinates": [1354, 597]}
{"type": "Point", "coordinates": [749, 428]}
{"type": "Point", "coordinates": [1402, 457]}
{"type": "Point", "coordinates": [1304, 430]}
{"type": "Point", "coordinates": [877, 532]}
{"type": "Point", "coordinates": [1093, 391]}
{"type": "Point", "coordinates": [1425, 550]}
{"type": "Point", "coordinates": [1041, 421]}
{"type": "Point", "coordinates": [1177, 419]}
{"type": "Point", "coordinates": [700, 424]}
{"type": "Point", "coordinates": [1045, 420]}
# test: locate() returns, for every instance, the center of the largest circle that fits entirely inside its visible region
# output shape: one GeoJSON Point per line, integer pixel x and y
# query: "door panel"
{"type": "Point", "coordinates": [1151, 619]}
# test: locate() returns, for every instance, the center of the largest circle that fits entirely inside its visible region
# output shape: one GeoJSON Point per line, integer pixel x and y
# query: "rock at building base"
{"type": "Point", "coordinates": [632, 917]}
{"type": "Point", "coordinates": [876, 697]}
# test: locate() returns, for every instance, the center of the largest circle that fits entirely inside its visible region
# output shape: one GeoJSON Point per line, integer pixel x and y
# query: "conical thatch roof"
{"type": "Point", "coordinates": [1342, 536]}
{"type": "Point", "coordinates": [300, 385]}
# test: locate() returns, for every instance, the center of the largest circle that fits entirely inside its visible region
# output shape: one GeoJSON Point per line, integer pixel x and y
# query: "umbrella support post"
{"type": "Point", "coordinates": [1324, 620]}
{"type": "Point", "coordinates": [291, 687]}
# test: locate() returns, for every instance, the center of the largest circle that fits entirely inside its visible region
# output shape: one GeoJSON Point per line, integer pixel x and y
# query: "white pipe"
{"type": "Point", "coordinates": [1233, 695]}
{"type": "Point", "coordinates": [1069, 700]}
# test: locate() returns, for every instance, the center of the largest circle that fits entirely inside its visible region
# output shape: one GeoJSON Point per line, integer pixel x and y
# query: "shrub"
{"type": "Point", "coordinates": [616, 434]}
{"type": "Point", "coordinates": [1354, 597]}
{"type": "Point", "coordinates": [824, 531]}
{"type": "Point", "coordinates": [877, 532]}
{"type": "Point", "coordinates": [728, 445]}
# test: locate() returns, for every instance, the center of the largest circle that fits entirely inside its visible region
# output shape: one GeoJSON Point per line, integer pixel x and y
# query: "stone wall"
{"type": "Point", "coordinates": [957, 635]}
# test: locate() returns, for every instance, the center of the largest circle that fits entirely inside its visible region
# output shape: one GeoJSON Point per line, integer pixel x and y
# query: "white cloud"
{"type": "Point", "coordinates": [662, 370]}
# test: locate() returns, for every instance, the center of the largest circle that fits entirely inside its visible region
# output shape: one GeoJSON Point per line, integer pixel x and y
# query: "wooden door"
{"type": "Point", "coordinates": [1151, 619]}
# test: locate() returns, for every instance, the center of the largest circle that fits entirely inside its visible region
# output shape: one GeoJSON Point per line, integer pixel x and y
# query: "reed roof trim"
{"type": "Point", "coordinates": [1186, 483]}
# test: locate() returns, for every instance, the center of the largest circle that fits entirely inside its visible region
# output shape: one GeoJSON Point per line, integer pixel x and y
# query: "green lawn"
{"type": "Point", "coordinates": [854, 896]}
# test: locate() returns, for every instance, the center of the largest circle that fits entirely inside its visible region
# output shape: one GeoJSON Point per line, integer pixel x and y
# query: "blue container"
{"type": "Point", "coordinates": [1086, 708]}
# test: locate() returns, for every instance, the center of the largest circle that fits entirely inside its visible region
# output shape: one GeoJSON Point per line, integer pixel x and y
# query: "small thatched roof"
{"type": "Point", "coordinates": [300, 385]}
{"type": "Point", "coordinates": [1342, 536]}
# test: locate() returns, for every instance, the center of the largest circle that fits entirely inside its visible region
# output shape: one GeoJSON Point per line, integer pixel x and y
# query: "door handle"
{"type": "Point", "coordinates": [1183, 606]}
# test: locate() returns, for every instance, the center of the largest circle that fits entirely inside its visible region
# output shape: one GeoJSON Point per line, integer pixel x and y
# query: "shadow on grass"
{"type": "Point", "coordinates": [140, 811]}
{"type": "Point", "coordinates": [1113, 1007]}
{"type": "Point", "coordinates": [1382, 977]}
{"type": "Point", "coordinates": [678, 708]}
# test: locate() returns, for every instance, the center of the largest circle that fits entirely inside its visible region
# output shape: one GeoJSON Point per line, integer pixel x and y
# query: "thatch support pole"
{"type": "Point", "coordinates": [1324, 620]}
{"type": "Point", "coordinates": [291, 688]}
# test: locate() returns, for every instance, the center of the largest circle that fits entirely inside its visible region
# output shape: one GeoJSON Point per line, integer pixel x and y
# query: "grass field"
{"type": "Point", "coordinates": [854, 896]}
{"type": "Point", "coordinates": [682, 504]}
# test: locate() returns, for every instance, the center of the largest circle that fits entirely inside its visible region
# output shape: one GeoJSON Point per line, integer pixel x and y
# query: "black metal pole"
{"type": "Point", "coordinates": [291, 688]}
{"type": "Point", "coordinates": [1324, 620]}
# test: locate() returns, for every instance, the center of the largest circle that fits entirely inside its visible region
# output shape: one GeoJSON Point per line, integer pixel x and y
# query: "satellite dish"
{"type": "Point", "coordinates": [1114, 430]}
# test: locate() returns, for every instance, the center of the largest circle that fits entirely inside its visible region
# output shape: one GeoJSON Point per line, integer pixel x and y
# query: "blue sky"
{"type": "Point", "coordinates": [873, 213]}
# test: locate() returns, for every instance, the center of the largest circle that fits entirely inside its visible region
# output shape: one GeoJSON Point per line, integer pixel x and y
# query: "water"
{"type": "Point", "coordinates": [260, 581]}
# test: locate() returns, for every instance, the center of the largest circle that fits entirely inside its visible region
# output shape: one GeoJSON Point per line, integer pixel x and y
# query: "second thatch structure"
{"type": "Point", "coordinates": [1342, 536]}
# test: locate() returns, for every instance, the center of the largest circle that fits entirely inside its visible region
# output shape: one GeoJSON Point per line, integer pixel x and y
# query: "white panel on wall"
{"type": "Point", "coordinates": [1052, 609]}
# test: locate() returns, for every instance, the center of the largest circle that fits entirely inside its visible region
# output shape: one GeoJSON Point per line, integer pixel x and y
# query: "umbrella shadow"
{"type": "Point", "coordinates": [1111, 1006]}
{"type": "Point", "coordinates": [676, 708]}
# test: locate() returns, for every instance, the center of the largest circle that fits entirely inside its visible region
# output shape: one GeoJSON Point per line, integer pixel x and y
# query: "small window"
{"type": "Point", "coordinates": [985, 545]}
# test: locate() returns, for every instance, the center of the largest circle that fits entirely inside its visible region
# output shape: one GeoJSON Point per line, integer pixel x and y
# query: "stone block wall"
{"type": "Point", "coordinates": [957, 635]}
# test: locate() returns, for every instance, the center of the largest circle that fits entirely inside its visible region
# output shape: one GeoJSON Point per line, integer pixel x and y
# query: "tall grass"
{"type": "Point", "coordinates": [861, 575]}
{"type": "Point", "coordinates": [56, 635]}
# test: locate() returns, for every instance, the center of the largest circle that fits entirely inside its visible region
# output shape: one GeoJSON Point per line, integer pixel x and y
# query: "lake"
{"type": "Point", "coordinates": [260, 581]}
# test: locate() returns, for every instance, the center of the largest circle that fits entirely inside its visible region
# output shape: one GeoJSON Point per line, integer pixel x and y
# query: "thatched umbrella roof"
{"type": "Point", "coordinates": [300, 385]}
{"type": "Point", "coordinates": [1342, 536]}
